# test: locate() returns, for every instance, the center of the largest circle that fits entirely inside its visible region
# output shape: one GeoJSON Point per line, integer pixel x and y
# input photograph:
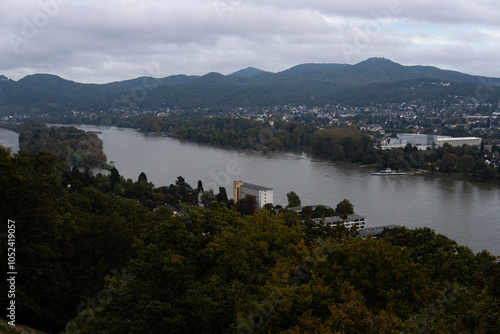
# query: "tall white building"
{"type": "Point", "coordinates": [263, 195]}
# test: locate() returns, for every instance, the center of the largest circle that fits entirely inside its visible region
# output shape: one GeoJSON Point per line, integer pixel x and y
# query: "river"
{"type": "Point", "coordinates": [466, 212]}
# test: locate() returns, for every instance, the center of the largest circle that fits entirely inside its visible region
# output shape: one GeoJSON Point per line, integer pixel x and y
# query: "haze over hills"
{"type": "Point", "coordinates": [375, 80]}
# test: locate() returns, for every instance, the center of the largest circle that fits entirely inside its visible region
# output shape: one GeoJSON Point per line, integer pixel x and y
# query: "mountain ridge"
{"type": "Point", "coordinates": [305, 84]}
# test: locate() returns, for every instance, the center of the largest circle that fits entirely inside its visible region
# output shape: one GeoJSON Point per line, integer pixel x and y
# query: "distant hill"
{"type": "Point", "coordinates": [375, 80]}
{"type": "Point", "coordinates": [248, 72]}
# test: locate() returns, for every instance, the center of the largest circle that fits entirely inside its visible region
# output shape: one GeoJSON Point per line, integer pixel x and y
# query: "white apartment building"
{"type": "Point", "coordinates": [263, 195]}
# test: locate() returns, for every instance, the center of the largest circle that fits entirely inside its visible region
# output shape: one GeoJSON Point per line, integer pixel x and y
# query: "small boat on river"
{"type": "Point", "coordinates": [389, 171]}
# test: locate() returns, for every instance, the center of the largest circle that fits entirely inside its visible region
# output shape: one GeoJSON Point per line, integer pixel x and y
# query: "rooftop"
{"type": "Point", "coordinates": [300, 208]}
{"type": "Point", "coordinates": [254, 186]}
{"type": "Point", "coordinates": [374, 231]}
{"type": "Point", "coordinates": [440, 138]}
{"type": "Point", "coordinates": [337, 219]}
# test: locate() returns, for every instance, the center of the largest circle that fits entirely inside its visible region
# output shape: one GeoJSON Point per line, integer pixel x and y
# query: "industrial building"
{"type": "Point", "coordinates": [263, 195]}
{"type": "Point", "coordinates": [471, 141]}
{"type": "Point", "coordinates": [422, 141]}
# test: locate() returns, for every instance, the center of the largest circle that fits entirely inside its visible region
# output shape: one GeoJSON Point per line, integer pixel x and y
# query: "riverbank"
{"type": "Point", "coordinates": [458, 176]}
{"type": "Point", "coordinates": [258, 143]}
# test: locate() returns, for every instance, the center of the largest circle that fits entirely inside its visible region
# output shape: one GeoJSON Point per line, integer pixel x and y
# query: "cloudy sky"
{"type": "Point", "coordinates": [109, 40]}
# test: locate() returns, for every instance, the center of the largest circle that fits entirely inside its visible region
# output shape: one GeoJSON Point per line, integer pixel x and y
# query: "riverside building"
{"type": "Point", "coordinates": [263, 195]}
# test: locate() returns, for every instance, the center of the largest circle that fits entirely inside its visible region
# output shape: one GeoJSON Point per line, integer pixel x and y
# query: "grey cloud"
{"type": "Point", "coordinates": [100, 41]}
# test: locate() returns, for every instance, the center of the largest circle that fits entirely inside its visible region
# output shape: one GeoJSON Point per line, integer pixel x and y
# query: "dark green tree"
{"type": "Point", "coordinates": [222, 195]}
{"type": "Point", "coordinates": [344, 208]}
{"type": "Point", "coordinates": [448, 163]}
{"type": "Point", "coordinates": [208, 197]}
{"type": "Point", "coordinates": [142, 177]}
{"type": "Point", "coordinates": [247, 205]}
{"type": "Point", "coordinates": [488, 173]}
{"type": "Point", "coordinates": [293, 199]}
{"type": "Point", "coordinates": [180, 180]}
{"type": "Point", "coordinates": [467, 164]}
{"type": "Point", "coordinates": [114, 177]}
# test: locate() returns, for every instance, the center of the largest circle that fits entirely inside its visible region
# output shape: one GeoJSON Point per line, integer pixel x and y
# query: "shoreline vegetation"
{"type": "Point", "coordinates": [77, 148]}
{"type": "Point", "coordinates": [346, 143]}
{"type": "Point", "coordinates": [329, 143]}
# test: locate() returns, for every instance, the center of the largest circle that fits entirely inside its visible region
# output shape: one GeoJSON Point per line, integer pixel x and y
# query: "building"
{"type": "Point", "coordinates": [299, 209]}
{"type": "Point", "coordinates": [352, 220]}
{"type": "Point", "coordinates": [376, 231]}
{"type": "Point", "coordinates": [471, 141]}
{"type": "Point", "coordinates": [422, 141]}
{"type": "Point", "coordinates": [417, 139]}
{"type": "Point", "coordinates": [263, 195]}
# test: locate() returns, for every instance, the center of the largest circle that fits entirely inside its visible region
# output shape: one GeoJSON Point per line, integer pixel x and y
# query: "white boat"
{"type": "Point", "coordinates": [388, 171]}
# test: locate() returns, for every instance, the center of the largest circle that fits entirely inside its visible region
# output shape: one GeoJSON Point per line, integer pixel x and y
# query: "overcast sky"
{"type": "Point", "coordinates": [99, 41]}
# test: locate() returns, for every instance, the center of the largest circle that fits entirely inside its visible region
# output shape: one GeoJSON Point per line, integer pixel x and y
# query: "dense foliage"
{"type": "Point", "coordinates": [114, 265]}
{"type": "Point", "coordinates": [471, 162]}
{"type": "Point", "coordinates": [346, 143]}
{"type": "Point", "coordinates": [67, 237]}
{"type": "Point", "coordinates": [73, 146]}
{"type": "Point", "coordinates": [335, 143]}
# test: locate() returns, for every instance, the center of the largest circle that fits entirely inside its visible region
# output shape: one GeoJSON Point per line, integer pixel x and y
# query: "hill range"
{"type": "Point", "coordinates": [373, 81]}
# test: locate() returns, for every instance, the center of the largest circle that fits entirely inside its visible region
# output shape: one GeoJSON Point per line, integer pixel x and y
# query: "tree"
{"type": "Point", "coordinates": [222, 195]}
{"type": "Point", "coordinates": [488, 173]}
{"type": "Point", "coordinates": [447, 163]}
{"type": "Point", "coordinates": [142, 177]}
{"type": "Point", "coordinates": [467, 164]}
{"type": "Point", "coordinates": [269, 207]}
{"type": "Point", "coordinates": [307, 211]}
{"type": "Point", "coordinates": [430, 167]}
{"type": "Point", "coordinates": [344, 208]}
{"type": "Point", "coordinates": [293, 199]}
{"type": "Point", "coordinates": [114, 178]}
{"type": "Point", "coordinates": [207, 197]}
{"type": "Point", "coordinates": [180, 180]}
{"type": "Point", "coordinates": [247, 205]}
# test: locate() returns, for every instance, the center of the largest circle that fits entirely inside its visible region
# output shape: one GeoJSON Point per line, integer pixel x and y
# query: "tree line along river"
{"type": "Point", "coordinates": [466, 212]}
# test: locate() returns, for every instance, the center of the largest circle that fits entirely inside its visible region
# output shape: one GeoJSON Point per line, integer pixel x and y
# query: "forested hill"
{"type": "Point", "coordinates": [101, 254]}
{"type": "Point", "coordinates": [376, 80]}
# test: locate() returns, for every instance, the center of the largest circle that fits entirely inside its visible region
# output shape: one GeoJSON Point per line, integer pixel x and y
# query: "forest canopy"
{"type": "Point", "coordinates": [73, 146]}
{"type": "Point", "coordinates": [97, 257]}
